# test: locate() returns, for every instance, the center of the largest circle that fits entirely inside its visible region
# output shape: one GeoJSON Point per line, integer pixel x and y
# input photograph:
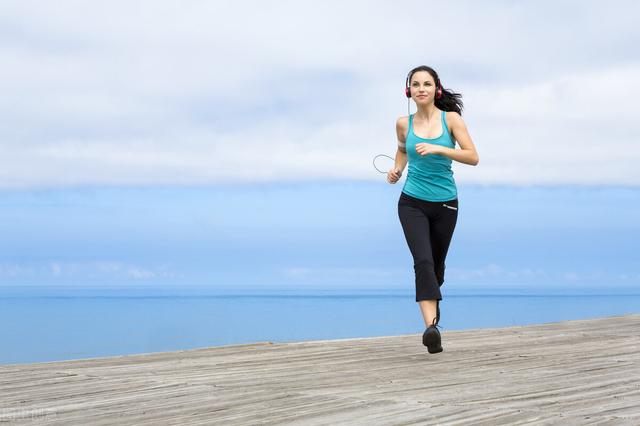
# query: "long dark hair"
{"type": "Point", "coordinates": [449, 101]}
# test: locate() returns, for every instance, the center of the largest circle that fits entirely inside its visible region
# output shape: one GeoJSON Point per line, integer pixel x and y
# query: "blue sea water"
{"type": "Point", "coordinates": [51, 324]}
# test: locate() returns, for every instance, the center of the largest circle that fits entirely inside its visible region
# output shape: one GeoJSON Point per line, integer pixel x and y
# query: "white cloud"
{"type": "Point", "coordinates": [499, 276]}
{"type": "Point", "coordinates": [330, 274]}
{"type": "Point", "coordinates": [165, 92]}
{"type": "Point", "coordinates": [494, 271]}
{"type": "Point", "coordinates": [56, 269]}
{"type": "Point", "coordinates": [115, 270]}
{"type": "Point", "coordinates": [490, 274]}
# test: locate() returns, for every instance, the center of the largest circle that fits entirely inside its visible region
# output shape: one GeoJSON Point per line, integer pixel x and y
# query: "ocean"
{"type": "Point", "coordinates": [42, 324]}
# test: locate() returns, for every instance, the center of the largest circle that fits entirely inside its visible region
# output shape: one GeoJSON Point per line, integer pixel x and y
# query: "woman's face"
{"type": "Point", "coordinates": [423, 87]}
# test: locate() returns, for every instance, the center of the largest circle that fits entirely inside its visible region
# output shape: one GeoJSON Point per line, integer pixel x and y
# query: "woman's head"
{"type": "Point", "coordinates": [423, 86]}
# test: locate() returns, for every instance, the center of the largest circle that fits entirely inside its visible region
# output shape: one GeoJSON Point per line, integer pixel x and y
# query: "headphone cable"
{"type": "Point", "coordinates": [374, 162]}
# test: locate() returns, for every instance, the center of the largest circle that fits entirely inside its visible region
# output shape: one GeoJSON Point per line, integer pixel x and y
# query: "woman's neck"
{"type": "Point", "coordinates": [426, 112]}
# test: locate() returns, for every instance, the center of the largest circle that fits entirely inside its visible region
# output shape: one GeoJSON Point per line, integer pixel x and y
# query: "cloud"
{"type": "Point", "coordinates": [162, 92]}
{"type": "Point", "coordinates": [83, 270]}
{"type": "Point", "coordinates": [351, 277]}
{"type": "Point", "coordinates": [501, 275]}
{"type": "Point", "coordinates": [495, 271]}
{"type": "Point", "coordinates": [491, 274]}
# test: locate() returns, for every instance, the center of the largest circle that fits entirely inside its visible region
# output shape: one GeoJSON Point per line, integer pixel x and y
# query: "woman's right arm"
{"type": "Point", "coordinates": [401, 153]}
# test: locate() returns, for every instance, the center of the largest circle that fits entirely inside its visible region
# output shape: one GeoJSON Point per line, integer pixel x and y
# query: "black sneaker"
{"type": "Point", "coordinates": [431, 338]}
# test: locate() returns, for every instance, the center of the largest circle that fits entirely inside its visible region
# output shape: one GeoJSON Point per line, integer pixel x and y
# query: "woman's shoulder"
{"type": "Point", "coordinates": [403, 121]}
{"type": "Point", "coordinates": [452, 117]}
{"type": "Point", "coordinates": [402, 127]}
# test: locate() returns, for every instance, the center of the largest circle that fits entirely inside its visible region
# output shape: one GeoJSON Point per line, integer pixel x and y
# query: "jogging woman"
{"type": "Point", "coordinates": [428, 204]}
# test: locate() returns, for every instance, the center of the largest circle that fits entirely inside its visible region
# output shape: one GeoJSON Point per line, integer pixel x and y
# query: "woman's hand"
{"type": "Point", "coordinates": [424, 148]}
{"type": "Point", "coordinates": [393, 175]}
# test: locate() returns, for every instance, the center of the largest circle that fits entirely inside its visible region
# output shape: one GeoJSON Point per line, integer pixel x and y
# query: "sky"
{"type": "Point", "coordinates": [200, 93]}
{"type": "Point", "coordinates": [316, 236]}
{"type": "Point", "coordinates": [230, 143]}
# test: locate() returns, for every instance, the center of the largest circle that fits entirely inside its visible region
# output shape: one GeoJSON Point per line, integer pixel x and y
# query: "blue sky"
{"type": "Point", "coordinates": [342, 235]}
{"type": "Point", "coordinates": [229, 143]}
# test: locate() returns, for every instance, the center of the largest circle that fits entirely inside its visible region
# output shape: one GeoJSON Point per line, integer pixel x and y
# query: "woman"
{"type": "Point", "coordinates": [428, 204]}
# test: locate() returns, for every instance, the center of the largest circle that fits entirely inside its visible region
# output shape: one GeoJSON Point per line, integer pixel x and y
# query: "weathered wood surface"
{"type": "Point", "coordinates": [572, 372]}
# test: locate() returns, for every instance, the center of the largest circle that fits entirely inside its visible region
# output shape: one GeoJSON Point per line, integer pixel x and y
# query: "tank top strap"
{"type": "Point", "coordinates": [410, 128]}
{"type": "Point", "coordinates": [444, 122]}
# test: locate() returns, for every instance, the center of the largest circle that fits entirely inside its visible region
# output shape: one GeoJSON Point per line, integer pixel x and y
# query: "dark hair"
{"type": "Point", "coordinates": [449, 101]}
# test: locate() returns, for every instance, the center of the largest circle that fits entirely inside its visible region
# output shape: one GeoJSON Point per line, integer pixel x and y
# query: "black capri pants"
{"type": "Point", "coordinates": [428, 227]}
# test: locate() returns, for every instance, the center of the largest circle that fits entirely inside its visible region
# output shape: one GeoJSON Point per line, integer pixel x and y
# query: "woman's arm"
{"type": "Point", "coordinates": [401, 153]}
{"type": "Point", "coordinates": [467, 154]}
{"type": "Point", "coordinates": [395, 173]}
{"type": "Point", "coordinates": [401, 159]}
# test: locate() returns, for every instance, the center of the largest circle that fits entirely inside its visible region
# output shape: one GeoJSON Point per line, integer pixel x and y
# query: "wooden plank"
{"type": "Point", "coordinates": [571, 372]}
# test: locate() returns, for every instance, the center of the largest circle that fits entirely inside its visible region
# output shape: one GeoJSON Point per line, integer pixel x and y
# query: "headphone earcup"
{"type": "Point", "coordinates": [439, 93]}
{"type": "Point", "coordinates": [407, 92]}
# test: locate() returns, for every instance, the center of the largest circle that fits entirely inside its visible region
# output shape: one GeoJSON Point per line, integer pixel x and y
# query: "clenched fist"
{"type": "Point", "coordinates": [393, 175]}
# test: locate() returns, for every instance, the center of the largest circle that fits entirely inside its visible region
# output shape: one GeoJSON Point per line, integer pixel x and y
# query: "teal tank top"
{"type": "Point", "coordinates": [430, 177]}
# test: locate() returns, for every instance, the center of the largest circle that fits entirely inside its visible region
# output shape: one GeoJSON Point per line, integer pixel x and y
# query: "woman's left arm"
{"type": "Point", "coordinates": [467, 154]}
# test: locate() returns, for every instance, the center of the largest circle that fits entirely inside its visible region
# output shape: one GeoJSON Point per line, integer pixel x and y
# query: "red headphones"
{"type": "Point", "coordinates": [407, 88]}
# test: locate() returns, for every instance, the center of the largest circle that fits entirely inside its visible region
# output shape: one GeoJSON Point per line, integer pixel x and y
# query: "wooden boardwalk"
{"type": "Point", "coordinates": [572, 372]}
